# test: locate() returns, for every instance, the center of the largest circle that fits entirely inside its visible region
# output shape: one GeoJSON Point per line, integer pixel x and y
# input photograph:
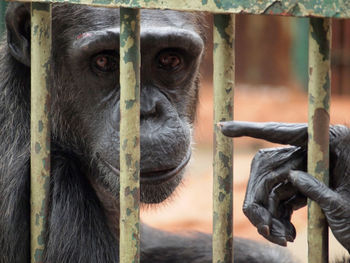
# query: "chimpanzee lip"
{"type": "Point", "coordinates": [155, 177]}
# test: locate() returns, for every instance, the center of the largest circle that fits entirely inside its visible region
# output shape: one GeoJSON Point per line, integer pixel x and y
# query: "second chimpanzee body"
{"type": "Point", "coordinates": [83, 210]}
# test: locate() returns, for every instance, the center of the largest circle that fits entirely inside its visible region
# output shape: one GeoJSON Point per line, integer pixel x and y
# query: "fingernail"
{"type": "Point", "coordinates": [264, 230]}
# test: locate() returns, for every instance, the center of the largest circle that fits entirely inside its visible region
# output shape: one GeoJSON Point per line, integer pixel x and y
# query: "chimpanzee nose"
{"type": "Point", "coordinates": [150, 104]}
{"type": "Point", "coordinates": [148, 107]}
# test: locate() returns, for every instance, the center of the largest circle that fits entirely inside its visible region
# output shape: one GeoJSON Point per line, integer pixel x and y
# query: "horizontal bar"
{"type": "Point", "coordinates": [40, 125]}
{"type": "Point", "coordinates": [130, 60]}
{"type": "Point", "coordinates": [223, 76]}
{"type": "Point", "coordinates": [318, 130]}
{"type": "Point", "coordinates": [297, 8]}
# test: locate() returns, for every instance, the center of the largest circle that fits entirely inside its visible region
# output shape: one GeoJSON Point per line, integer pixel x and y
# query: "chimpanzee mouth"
{"type": "Point", "coordinates": [157, 176]}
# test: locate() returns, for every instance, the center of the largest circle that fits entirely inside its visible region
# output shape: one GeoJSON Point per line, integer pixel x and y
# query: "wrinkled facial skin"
{"type": "Point", "coordinates": [86, 93]}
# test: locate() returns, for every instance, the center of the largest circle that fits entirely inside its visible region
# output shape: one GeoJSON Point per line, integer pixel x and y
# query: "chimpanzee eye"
{"type": "Point", "coordinates": [105, 62]}
{"type": "Point", "coordinates": [169, 60]}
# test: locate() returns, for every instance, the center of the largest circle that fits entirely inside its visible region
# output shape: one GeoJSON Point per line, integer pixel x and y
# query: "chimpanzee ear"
{"type": "Point", "coordinates": [18, 31]}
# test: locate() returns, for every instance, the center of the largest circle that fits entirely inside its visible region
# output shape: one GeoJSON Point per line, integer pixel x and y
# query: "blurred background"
{"type": "Point", "coordinates": [271, 85]}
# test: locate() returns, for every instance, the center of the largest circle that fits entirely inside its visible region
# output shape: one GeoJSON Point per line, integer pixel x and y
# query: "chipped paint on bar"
{"type": "Point", "coordinates": [318, 144]}
{"type": "Point", "coordinates": [40, 124]}
{"type": "Point", "coordinates": [299, 8]}
{"type": "Point", "coordinates": [224, 72]}
{"type": "Point", "coordinates": [129, 135]}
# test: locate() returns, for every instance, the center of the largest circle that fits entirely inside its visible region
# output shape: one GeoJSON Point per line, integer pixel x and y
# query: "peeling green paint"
{"type": "Point", "coordinates": [318, 129]}
{"type": "Point", "coordinates": [129, 103]}
{"type": "Point", "coordinates": [102, 2]}
{"type": "Point", "coordinates": [37, 147]}
{"type": "Point", "coordinates": [40, 124]}
{"type": "Point", "coordinates": [129, 248]}
{"type": "Point", "coordinates": [326, 87]}
{"type": "Point", "coordinates": [128, 159]}
{"type": "Point", "coordinates": [38, 255]}
{"type": "Point", "coordinates": [221, 25]}
{"type": "Point", "coordinates": [319, 35]}
{"type": "Point", "coordinates": [296, 11]}
{"type": "Point", "coordinates": [320, 167]}
{"type": "Point", "coordinates": [46, 164]}
{"type": "Point", "coordinates": [41, 239]}
{"type": "Point", "coordinates": [223, 104]}
{"type": "Point", "coordinates": [275, 7]}
{"type": "Point", "coordinates": [299, 8]}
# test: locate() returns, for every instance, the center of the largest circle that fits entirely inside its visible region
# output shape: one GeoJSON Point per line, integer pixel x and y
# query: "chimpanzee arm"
{"type": "Point", "coordinates": [161, 246]}
{"type": "Point", "coordinates": [14, 209]}
{"type": "Point", "coordinates": [274, 191]}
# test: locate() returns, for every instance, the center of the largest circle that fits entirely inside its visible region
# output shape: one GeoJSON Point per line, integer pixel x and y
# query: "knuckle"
{"type": "Point", "coordinates": [247, 208]}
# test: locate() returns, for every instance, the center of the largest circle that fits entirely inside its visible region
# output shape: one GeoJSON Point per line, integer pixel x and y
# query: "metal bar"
{"type": "Point", "coordinates": [318, 145]}
{"type": "Point", "coordinates": [224, 73]}
{"type": "Point", "coordinates": [299, 8]}
{"type": "Point", "coordinates": [129, 135]}
{"type": "Point", "coordinates": [40, 124]}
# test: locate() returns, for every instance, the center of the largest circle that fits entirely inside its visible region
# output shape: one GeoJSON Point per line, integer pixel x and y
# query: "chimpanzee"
{"type": "Point", "coordinates": [83, 209]}
{"type": "Point", "coordinates": [278, 183]}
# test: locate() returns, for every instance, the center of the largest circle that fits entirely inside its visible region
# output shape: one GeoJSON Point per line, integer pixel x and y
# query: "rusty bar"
{"type": "Point", "coordinates": [318, 129]}
{"type": "Point", "coordinates": [298, 8]}
{"type": "Point", "coordinates": [129, 135]}
{"type": "Point", "coordinates": [40, 124]}
{"type": "Point", "coordinates": [224, 73]}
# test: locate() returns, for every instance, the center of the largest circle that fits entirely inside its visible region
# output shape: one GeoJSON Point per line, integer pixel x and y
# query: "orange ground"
{"type": "Point", "coordinates": [190, 208]}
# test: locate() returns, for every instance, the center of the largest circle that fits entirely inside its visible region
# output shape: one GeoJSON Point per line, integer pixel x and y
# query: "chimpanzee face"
{"type": "Point", "coordinates": [86, 93]}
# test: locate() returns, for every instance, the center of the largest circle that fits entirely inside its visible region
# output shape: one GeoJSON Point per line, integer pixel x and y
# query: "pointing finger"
{"type": "Point", "coordinates": [277, 132]}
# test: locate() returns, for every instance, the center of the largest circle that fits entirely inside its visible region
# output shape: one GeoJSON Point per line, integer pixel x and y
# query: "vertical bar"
{"type": "Point", "coordinates": [224, 73]}
{"type": "Point", "coordinates": [40, 124]}
{"type": "Point", "coordinates": [129, 135]}
{"type": "Point", "coordinates": [318, 145]}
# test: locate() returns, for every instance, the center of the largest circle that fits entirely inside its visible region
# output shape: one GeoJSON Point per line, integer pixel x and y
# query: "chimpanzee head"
{"type": "Point", "coordinates": [86, 90]}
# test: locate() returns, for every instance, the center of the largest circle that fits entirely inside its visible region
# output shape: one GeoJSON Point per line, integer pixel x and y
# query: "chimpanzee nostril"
{"type": "Point", "coordinates": [149, 107]}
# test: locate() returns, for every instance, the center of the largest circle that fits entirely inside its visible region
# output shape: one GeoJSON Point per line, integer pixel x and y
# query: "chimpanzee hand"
{"type": "Point", "coordinates": [275, 189]}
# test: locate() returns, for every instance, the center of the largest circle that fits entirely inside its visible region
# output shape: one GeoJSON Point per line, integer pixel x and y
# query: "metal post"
{"type": "Point", "coordinates": [40, 124]}
{"type": "Point", "coordinates": [318, 145]}
{"type": "Point", "coordinates": [129, 135]}
{"type": "Point", "coordinates": [224, 72]}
